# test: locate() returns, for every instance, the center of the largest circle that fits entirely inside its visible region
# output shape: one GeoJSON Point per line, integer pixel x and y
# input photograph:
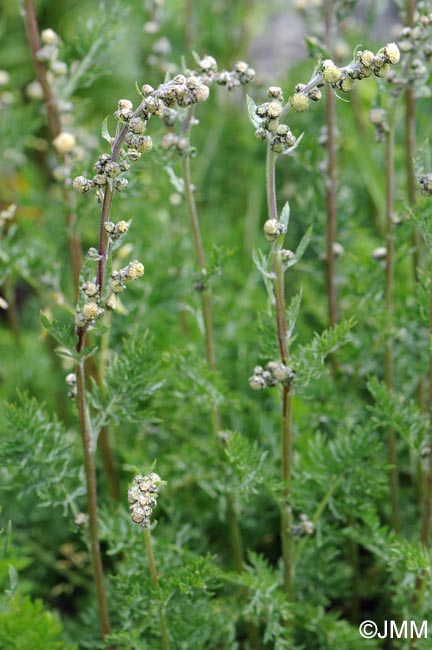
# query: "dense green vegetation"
{"type": "Point", "coordinates": [270, 531]}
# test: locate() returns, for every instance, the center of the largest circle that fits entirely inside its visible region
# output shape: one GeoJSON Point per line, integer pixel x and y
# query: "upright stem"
{"type": "Point", "coordinates": [279, 286]}
{"type": "Point", "coordinates": [232, 519]}
{"type": "Point", "coordinates": [54, 126]}
{"type": "Point", "coordinates": [205, 296]}
{"type": "Point", "coordinates": [389, 299]}
{"type": "Point", "coordinates": [410, 143]}
{"type": "Point", "coordinates": [331, 179]}
{"type": "Point", "coordinates": [156, 586]}
{"type": "Point", "coordinates": [32, 31]}
{"type": "Point", "coordinates": [89, 447]}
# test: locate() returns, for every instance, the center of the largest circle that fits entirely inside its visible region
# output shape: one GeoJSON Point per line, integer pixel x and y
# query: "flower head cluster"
{"type": "Point", "coordinates": [89, 313]}
{"type": "Point", "coordinates": [378, 118]}
{"type": "Point", "coordinates": [108, 171]}
{"type": "Point", "coordinates": [66, 145]}
{"type": "Point", "coordinates": [304, 527]}
{"type": "Point", "coordinates": [274, 373]}
{"type": "Point", "coordinates": [416, 44]}
{"type": "Point", "coordinates": [143, 498]}
{"type": "Point", "coordinates": [71, 382]}
{"type": "Point", "coordinates": [57, 70]}
{"type": "Point", "coordinates": [193, 87]}
{"type": "Point", "coordinates": [93, 307]}
{"type": "Point", "coordinates": [164, 102]}
{"type": "Point", "coordinates": [269, 115]}
{"type": "Point", "coordinates": [116, 230]}
{"type": "Point", "coordinates": [425, 184]}
{"type": "Point", "coordinates": [49, 53]}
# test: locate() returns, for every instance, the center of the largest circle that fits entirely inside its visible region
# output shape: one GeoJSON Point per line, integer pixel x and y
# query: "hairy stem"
{"type": "Point", "coordinates": [155, 582]}
{"type": "Point", "coordinates": [389, 300]}
{"type": "Point", "coordinates": [89, 447]}
{"type": "Point", "coordinates": [331, 180]}
{"type": "Point", "coordinates": [279, 286]}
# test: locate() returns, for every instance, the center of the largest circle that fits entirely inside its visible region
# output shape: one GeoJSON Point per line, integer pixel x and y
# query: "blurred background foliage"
{"type": "Point", "coordinates": [347, 571]}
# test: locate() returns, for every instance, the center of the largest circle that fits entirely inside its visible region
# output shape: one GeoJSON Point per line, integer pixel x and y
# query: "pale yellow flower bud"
{"type": "Point", "coordinates": [64, 142]}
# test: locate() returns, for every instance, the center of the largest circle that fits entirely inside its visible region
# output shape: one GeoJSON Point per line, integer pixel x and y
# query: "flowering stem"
{"type": "Point", "coordinates": [279, 286]}
{"type": "Point", "coordinates": [389, 298]}
{"type": "Point", "coordinates": [89, 447]}
{"type": "Point", "coordinates": [205, 296]}
{"type": "Point", "coordinates": [331, 207]}
{"type": "Point", "coordinates": [156, 586]}
{"type": "Point", "coordinates": [331, 180]}
{"type": "Point", "coordinates": [410, 145]}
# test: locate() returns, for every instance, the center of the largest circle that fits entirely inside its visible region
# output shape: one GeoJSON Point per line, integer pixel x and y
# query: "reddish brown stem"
{"type": "Point", "coordinates": [89, 447]}
{"type": "Point", "coordinates": [54, 126]}
{"type": "Point", "coordinates": [32, 31]}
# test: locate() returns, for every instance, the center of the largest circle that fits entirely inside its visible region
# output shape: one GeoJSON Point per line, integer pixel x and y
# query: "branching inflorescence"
{"type": "Point", "coordinates": [268, 119]}
{"type": "Point", "coordinates": [129, 143]}
{"type": "Point", "coordinates": [99, 291]}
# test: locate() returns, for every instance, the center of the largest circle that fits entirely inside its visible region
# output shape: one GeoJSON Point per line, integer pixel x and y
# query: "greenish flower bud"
{"type": "Point", "coordinates": [273, 229]}
{"type": "Point", "coordinates": [331, 73]}
{"type": "Point", "coordinates": [300, 102]}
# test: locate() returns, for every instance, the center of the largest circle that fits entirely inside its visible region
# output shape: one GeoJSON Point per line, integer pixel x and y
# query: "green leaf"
{"type": "Point", "coordinates": [252, 112]}
{"type": "Point", "coordinates": [197, 57]}
{"type": "Point", "coordinates": [294, 147]}
{"type": "Point", "coordinates": [129, 384]}
{"type": "Point", "coordinates": [262, 263]}
{"type": "Point", "coordinates": [39, 455]}
{"type": "Point", "coordinates": [309, 360]}
{"type": "Point", "coordinates": [251, 469]}
{"type": "Point", "coordinates": [63, 334]}
{"type": "Point", "coordinates": [301, 249]}
{"type": "Point", "coordinates": [421, 216]}
{"type": "Point", "coordinates": [176, 181]}
{"type": "Point", "coordinates": [292, 312]}
{"type": "Point", "coordinates": [138, 89]}
{"type": "Point", "coordinates": [105, 133]}
{"type": "Point", "coordinates": [392, 410]}
{"type": "Point", "coordinates": [285, 214]}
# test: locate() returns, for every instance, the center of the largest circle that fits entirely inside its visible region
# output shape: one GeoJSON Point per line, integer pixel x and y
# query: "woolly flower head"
{"type": "Point", "coordinates": [64, 142]}
{"type": "Point", "coordinates": [143, 498]}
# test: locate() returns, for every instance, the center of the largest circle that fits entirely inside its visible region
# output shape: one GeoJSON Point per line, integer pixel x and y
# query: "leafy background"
{"type": "Point", "coordinates": [353, 567]}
